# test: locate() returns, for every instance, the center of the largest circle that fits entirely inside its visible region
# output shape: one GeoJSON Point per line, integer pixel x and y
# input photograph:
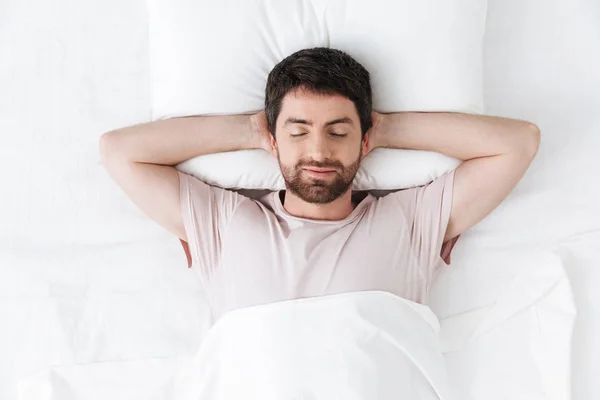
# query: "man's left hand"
{"type": "Point", "coordinates": [374, 133]}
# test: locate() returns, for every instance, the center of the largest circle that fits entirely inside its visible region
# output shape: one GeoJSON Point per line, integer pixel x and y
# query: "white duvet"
{"type": "Point", "coordinates": [360, 345]}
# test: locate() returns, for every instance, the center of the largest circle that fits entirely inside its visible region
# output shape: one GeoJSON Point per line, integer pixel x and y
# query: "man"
{"type": "Point", "coordinates": [317, 237]}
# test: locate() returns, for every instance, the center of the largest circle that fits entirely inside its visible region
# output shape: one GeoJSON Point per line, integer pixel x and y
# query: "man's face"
{"type": "Point", "coordinates": [319, 146]}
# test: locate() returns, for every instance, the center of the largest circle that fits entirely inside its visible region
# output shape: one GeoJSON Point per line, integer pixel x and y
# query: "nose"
{"type": "Point", "coordinates": [319, 148]}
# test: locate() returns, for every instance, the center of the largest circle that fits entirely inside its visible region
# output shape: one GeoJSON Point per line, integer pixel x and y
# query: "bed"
{"type": "Point", "coordinates": [96, 300]}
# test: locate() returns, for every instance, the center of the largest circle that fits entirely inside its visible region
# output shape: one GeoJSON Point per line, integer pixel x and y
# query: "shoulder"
{"type": "Point", "coordinates": [267, 201]}
{"type": "Point", "coordinates": [427, 195]}
{"type": "Point", "coordinates": [394, 202]}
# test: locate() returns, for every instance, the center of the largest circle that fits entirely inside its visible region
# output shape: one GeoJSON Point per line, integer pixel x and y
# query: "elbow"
{"type": "Point", "coordinates": [103, 147]}
{"type": "Point", "coordinates": [107, 146]}
{"type": "Point", "coordinates": [531, 138]}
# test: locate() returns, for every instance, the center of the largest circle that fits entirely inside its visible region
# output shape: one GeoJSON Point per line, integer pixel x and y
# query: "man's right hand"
{"type": "Point", "coordinates": [261, 130]}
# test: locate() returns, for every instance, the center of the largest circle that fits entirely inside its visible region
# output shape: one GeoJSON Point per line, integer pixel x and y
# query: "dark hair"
{"type": "Point", "coordinates": [320, 70]}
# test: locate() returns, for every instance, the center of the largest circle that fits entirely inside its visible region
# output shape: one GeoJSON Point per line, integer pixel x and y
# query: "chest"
{"type": "Point", "coordinates": [269, 255]}
{"type": "Point", "coordinates": [269, 242]}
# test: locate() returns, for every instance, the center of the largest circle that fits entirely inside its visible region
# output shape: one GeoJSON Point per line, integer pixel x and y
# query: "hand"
{"type": "Point", "coordinates": [261, 130]}
{"type": "Point", "coordinates": [374, 134]}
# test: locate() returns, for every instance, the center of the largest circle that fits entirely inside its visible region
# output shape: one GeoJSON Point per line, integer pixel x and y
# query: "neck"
{"type": "Point", "coordinates": [337, 210]}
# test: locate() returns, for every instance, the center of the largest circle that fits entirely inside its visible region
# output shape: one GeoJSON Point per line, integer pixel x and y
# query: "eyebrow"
{"type": "Point", "coordinates": [344, 120]}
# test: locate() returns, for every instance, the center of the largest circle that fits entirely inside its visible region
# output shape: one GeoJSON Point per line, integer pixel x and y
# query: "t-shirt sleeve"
{"type": "Point", "coordinates": [427, 213]}
{"type": "Point", "coordinates": [206, 211]}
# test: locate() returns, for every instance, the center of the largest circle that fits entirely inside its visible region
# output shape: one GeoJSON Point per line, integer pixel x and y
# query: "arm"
{"type": "Point", "coordinates": [141, 158]}
{"type": "Point", "coordinates": [496, 153]}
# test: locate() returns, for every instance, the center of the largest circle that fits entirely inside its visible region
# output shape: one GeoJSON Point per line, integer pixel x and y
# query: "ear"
{"type": "Point", "coordinates": [273, 146]}
{"type": "Point", "coordinates": [365, 146]}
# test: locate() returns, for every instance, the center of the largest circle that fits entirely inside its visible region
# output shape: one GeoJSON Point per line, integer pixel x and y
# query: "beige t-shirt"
{"type": "Point", "coordinates": [249, 252]}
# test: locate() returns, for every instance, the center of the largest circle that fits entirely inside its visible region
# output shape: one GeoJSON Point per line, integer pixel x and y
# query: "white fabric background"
{"type": "Point", "coordinates": [86, 277]}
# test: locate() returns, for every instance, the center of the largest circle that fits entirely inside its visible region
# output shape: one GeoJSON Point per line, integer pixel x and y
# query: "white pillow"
{"type": "Point", "coordinates": [212, 57]}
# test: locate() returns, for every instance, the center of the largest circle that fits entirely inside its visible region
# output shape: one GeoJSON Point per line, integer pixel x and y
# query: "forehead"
{"type": "Point", "coordinates": [305, 104]}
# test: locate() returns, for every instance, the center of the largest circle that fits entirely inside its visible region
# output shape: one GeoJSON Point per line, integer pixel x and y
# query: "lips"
{"type": "Point", "coordinates": [314, 169]}
{"type": "Point", "coordinates": [319, 173]}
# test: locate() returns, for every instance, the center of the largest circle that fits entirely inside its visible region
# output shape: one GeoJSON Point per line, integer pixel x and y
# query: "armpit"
{"type": "Point", "coordinates": [186, 249]}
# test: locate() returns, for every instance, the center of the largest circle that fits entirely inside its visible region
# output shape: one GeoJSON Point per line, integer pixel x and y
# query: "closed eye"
{"type": "Point", "coordinates": [340, 135]}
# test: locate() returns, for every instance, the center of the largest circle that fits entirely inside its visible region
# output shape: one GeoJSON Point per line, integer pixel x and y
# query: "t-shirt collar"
{"type": "Point", "coordinates": [358, 210]}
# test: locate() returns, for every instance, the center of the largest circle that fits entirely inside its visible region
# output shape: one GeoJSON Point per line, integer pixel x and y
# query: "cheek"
{"type": "Point", "coordinates": [289, 155]}
{"type": "Point", "coordinates": [349, 155]}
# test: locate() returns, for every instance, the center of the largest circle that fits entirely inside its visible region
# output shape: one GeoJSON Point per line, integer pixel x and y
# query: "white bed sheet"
{"type": "Point", "coordinates": [87, 280]}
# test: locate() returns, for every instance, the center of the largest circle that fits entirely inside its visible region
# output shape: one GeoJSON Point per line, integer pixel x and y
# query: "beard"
{"type": "Point", "coordinates": [315, 190]}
